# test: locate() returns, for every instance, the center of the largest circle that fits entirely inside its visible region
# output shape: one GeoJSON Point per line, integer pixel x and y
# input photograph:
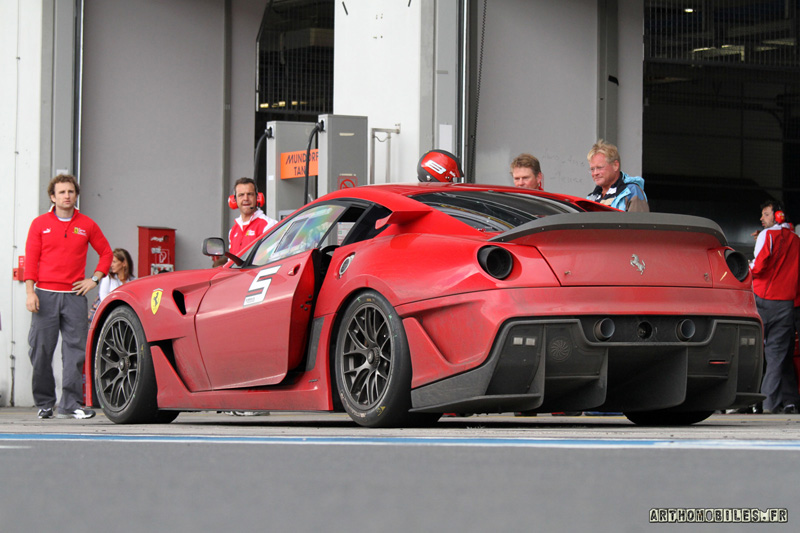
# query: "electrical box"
{"type": "Point", "coordinates": [343, 148]}
{"type": "Point", "coordinates": [156, 250]}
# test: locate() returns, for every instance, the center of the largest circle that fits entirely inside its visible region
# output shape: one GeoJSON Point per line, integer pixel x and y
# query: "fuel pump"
{"type": "Point", "coordinates": [343, 145]}
{"type": "Point", "coordinates": [286, 166]}
{"type": "Point", "coordinates": [339, 162]}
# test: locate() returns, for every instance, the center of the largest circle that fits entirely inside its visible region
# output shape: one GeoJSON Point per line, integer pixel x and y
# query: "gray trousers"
{"type": "Point", "coordinates": [780, 381]}
{"type": "Point", "coordinates": [62, 312]}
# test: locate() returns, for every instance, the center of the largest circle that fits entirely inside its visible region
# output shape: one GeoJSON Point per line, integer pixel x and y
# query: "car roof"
{"type": "Point", "coordinates": [383, 193]}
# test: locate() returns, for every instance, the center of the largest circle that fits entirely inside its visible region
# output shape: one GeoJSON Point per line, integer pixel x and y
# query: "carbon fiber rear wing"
{"type": "Point", "coordinates": [614, 220]}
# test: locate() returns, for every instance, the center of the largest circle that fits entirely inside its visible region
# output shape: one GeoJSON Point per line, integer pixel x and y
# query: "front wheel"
{"type": "Point", "coordinates": [372, 363]}
{"type": "Point", "coordinates": [667, 418]}
{"type": "Point", "coordinates": [123, 370]}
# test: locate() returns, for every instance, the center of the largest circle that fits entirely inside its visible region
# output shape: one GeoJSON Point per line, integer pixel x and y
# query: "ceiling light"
{"type": "Point", "coordinates": [782, 42]}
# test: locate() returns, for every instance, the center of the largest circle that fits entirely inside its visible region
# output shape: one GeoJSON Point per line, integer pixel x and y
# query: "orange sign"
{"type": "Point", "coordinates": [293, 164]}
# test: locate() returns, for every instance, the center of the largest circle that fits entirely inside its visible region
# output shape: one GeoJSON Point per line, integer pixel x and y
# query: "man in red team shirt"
{"type": "Point", "coordinates": [251, 223]}
{"type": "Point", "coordinates": [776, 285]}
{"type": "Point", "coordinates": [55, 265]}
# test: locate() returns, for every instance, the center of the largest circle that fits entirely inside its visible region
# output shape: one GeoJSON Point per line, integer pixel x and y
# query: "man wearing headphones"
{"type": "Point", "coordinates": [776, 284]}
{"type": "Point", "coordinates": [251, 222]}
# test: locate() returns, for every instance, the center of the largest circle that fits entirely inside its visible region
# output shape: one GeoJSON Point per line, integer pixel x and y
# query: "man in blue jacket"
{"type": "Point", "coordinates": [614, 187]}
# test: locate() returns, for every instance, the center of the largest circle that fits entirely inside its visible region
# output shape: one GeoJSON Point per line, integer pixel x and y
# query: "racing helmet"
{"type": "Point", "coordinates": [439, 165]}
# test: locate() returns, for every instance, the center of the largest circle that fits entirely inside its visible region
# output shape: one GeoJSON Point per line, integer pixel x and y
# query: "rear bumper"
{"type": "Point", "coordinates": [562, 364]}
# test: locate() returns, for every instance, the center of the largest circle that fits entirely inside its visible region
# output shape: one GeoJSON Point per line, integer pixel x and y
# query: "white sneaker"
{"type": "Point", "coordinates": [80, 413]}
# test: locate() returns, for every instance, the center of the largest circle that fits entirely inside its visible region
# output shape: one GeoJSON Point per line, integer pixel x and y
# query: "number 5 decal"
{"type": "Point", "coordinates": [258, 289]}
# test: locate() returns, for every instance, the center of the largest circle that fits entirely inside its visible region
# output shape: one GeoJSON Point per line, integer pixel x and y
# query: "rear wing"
{"type": "Point", "coordinates": [615, 220]}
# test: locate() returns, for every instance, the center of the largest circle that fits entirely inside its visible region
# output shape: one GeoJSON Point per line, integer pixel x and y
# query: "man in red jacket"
{"type": "Point", "coordinates": [55, 265]}
{"type": "Point", "coordinates": [776, 283]}
{"type": "Point", "coordinates": [251, 223]}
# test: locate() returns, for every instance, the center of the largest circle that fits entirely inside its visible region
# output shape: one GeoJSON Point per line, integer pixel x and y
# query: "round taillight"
{"type": "Point", "coordinates": [497, 262]}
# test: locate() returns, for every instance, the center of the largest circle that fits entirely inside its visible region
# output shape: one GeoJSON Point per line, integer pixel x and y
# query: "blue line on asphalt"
{"type": "Point", "coordinates": [651, 444]}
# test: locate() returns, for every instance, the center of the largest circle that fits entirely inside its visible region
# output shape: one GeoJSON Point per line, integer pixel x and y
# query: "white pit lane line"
{"type": "Point", "coordinates": [607, 444]}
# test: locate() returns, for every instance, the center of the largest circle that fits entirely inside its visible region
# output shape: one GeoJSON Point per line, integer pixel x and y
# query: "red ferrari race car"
{"type": "Point", "coordinates": [397, 303]}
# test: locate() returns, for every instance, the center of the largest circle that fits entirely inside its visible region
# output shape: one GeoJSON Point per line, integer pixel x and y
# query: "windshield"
{"type": "Point", "coordinates": [494, 210]}
{"type": "Point", "coordinates": [304, 232]}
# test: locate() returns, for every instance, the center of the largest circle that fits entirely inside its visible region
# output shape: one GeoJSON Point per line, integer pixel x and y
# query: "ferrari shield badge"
{"type": "Point", "coordinates": [155, 300]}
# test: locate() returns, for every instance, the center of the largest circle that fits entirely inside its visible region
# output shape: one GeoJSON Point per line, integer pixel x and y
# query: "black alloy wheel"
{"type": "Point", "coordinates": [372, 363]}
{"type": "Point", "coordinates": [123, 368]}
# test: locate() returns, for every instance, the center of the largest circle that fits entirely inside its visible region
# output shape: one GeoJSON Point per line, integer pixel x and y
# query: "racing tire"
{"type": "Point", "coordinates": [123, 371]}
{"type": "Point", "coordinates": [667, 418]}
{"type": "Point", "coordinates": [372, 364]}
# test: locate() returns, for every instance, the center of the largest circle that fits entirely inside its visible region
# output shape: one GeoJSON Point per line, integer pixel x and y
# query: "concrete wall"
{"type": "Point", "coordinates": [153, 109]}
{"type": "Point", "coordinates": [539, 88]}
{"type": "Point", "coordinates": [246, 21]}
{"type": "Point", "coordinates": [156, 147]}
{"type": "Point", "coordinates": [631, 74]}
{"type": "Point", "coordinates": [378, 73]}
{"type": "Point", "coordinates": [22, 106]}
{"type": "Point", "coordinates": [538, 82]}
{"type": "Point", "coordinates": [538, 98]}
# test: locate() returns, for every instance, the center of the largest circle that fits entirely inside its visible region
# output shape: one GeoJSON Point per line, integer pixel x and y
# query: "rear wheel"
{"type": "Point", "coordinates": [372, 363]}
{"type": "Point", "coordinates": [123, 371]}
{"type": "Point", "coordinates": [667, 418]}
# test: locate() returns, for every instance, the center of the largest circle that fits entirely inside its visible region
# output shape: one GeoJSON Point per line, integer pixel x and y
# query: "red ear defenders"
{"type": "Point", "coordinates": [780, 217]}
{"type": "Point", "coordinates": [233, 205]}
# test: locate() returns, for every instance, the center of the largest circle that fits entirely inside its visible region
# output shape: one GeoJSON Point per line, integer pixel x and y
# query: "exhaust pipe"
{"type": "Point", "coordinates": [604, 329]}
{"type": "Point", "coordinates": [686, 329]}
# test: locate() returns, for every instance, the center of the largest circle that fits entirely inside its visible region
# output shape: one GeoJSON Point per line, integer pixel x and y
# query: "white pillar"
{"type": "Point", "coordinates": [36, 113]}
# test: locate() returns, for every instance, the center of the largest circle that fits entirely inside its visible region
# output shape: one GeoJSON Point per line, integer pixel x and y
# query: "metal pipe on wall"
{"type": "Point", "coordinates": [76, 136]}
{"type": "Point", "coordinates": [464, 85]}
{"type": "Point", "coordinates": [388, 141]}
{"type": "Point", "coordinates": [227, 58]}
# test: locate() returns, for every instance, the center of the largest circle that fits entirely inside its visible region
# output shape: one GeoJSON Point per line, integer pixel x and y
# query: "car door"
{"type": "Point", "coordinates": [252, 324]}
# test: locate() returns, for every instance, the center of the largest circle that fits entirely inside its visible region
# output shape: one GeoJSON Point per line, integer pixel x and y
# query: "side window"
{"type": "Point", "coordinates": [303, 232]}
{"type": "Point", "coordinates": [357, 224]}
{"type": "Point", "coordinates": [336, 236]}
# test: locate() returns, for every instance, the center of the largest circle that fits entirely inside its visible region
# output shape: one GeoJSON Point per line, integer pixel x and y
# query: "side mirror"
{"type": "Point", "coordinates": [215, 247]}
